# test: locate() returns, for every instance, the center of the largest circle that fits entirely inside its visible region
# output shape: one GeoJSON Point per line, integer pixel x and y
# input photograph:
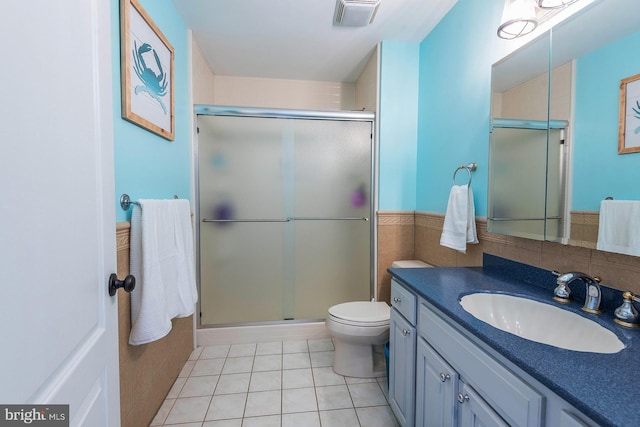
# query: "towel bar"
{"type": "Point", "coordinates": [125, 201]}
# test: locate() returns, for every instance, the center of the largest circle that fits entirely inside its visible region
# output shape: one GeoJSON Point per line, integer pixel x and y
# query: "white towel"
{"type": "Point", "coordinates": [162, 262]}
{"type": "Point", "coordinates": [459, 220]}
{"type": "Point", "coordinates": [619, 228]}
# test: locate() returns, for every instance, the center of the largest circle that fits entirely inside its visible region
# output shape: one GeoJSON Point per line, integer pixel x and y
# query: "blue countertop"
{"type": "Point", "coordinates": [602, 386]}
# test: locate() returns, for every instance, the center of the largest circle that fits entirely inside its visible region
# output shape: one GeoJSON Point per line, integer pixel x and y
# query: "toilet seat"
{"type": "Point", "coordinates": [361, 313]}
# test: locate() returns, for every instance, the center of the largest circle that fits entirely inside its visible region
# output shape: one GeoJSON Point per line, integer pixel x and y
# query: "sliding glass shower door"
{"type": "Point", "coordinates": [285, 208]}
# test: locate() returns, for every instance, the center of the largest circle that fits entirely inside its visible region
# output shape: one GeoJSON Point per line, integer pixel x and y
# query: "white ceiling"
{"type": "Point", "coordinates": [296, 39]}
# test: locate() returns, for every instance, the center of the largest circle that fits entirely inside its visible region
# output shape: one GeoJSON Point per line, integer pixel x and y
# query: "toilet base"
{"type": "Point", "coordinates": [359, 361]}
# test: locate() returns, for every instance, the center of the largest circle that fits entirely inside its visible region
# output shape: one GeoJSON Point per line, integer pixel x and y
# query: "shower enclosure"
{"type": "Point", "coordinates": [285, 216]}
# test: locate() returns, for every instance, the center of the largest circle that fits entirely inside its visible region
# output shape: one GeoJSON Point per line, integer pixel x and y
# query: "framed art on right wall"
{"type": "Point", "coordinates": [629, 120]}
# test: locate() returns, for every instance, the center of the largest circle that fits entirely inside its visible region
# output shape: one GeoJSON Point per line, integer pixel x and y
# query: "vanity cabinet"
{"type": "Point", "coordinates": [437, 390]}
{"type": "Point", "coordinates": [487, 392]}
{"type": "Point", "coordinates": [402, 354]}
{"type": "Point", "coordinates": [445, 400]}
{"type": "Point", "coordinates": [441, 375]}
{"type": "Point", "coordinates": [498, 377]}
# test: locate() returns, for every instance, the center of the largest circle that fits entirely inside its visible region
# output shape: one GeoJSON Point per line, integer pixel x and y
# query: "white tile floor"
{"type": "Point", "coordinates": [280, 384]}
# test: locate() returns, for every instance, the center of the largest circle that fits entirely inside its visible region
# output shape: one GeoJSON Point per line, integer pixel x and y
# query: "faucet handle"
{"type": "Point", "coordinates": [562, 293]}
{"type": "Point", "coordinates": [626, 314]}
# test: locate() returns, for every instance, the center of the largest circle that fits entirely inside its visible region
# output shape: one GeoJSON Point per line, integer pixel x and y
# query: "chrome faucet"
{"type": "Point", "coordinates": [593, 293]}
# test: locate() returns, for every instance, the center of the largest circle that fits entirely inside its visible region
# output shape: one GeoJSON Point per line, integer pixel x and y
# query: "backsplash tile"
{"type": "Point", "coordinates": [617, 271]}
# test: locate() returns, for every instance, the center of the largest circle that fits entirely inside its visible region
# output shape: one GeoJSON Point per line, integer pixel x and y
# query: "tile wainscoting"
{"type": "Point", "coordinates": [147, 372]}
{"type": "Point", "coordinates": [416, 235]}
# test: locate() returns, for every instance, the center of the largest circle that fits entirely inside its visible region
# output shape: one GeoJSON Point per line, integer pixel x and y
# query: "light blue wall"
{"type": "Point", "coordinates": [599, 171]}
{"type": "Point", "coordinates": [454, 104]}
{"type": "Point", "coordinates": [147, 165]}
{"type": "Point", "coordinates": [398, 125]}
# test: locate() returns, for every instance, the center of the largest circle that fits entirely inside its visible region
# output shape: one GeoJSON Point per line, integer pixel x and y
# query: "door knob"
{"type": "Point", "coordinates": [128, 284]}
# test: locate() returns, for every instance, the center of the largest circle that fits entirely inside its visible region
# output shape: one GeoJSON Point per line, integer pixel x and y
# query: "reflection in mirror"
{"type": "Point", "coordinates": [602, 44]}
{"type": "Point", "coordinates": [527, 156]}
{"type": "Point", "coordinates": [527, 171]}
{"type": "Point", "coordinates": [590, 53]}
{"type": "Point", "coordinates": [520, 82]}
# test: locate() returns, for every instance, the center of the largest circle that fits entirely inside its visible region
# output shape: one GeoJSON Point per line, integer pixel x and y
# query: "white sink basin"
{"type": "Point", "coordinates": [540, 322]}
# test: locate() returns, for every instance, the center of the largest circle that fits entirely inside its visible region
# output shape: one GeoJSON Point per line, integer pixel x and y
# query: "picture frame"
{"type": "Point", "coordinates": [147, 67]}
{"type": "Point", "coordinates": [629, 119]}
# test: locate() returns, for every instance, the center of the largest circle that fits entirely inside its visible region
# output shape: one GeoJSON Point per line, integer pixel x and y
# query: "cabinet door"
{"type": "Point", "coordinates": [475, 412]}
{"type": "Point", "coordinates": [402, 353]}
{"type": "Point", "coordinates": [436, 389]}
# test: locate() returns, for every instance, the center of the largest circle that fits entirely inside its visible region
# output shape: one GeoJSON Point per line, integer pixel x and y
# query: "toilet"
{"type": "Point", "coordinates": [359, 329]}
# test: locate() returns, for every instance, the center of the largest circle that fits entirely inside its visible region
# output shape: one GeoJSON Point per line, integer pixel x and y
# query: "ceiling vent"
{"type": "Point", "coordinates": [355, 13]}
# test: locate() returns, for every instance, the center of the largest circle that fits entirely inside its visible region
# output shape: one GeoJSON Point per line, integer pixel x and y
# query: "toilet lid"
{"type": "Point", "coordinates": [361, 311]}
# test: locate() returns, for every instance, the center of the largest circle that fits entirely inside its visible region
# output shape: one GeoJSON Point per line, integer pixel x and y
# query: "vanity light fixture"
{"type": "Point", "coordinates": [554, 4]}
{"type": "Point", "coordinates": [518, 19]}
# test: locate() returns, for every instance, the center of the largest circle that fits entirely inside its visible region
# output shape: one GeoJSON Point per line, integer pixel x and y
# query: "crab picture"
{"type": "Point", "coordinates": [636, 110]}
{"type": "Point", "coordinates": [154, 84]}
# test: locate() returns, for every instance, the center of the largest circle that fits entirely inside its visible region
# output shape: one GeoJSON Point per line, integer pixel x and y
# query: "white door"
{"type": "Point", "coordinates": [58, 325]}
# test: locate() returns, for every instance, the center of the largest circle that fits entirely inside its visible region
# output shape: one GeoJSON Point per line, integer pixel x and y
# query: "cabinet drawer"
{"type": "Point", "coordinates": [508, 394]}
{"type": "Point", "coordinates": [403, 301]}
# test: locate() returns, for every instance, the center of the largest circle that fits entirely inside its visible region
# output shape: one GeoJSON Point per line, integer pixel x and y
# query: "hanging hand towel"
{"type": "Point", "coordinates": [619, 228]}
{"type": "Point", "coordinates": [162, 262]}
{"type": "Point", "coordinates": [459, 220]}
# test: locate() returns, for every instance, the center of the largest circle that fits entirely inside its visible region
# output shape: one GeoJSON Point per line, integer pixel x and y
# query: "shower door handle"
{"type": "Point", "coordinates": [347, 218]}
{"type": "Point", "coordinates": [248, 220]}
{"type": "Point", "coordinates": [289, 219]}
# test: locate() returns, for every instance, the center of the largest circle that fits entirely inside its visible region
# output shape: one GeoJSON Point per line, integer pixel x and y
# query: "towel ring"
{"type": "Point", "coordinates": [469, 168]}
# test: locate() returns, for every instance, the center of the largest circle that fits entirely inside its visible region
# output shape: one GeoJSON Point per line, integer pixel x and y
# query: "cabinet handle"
{"type": "Point", "coordinates": [463, 397]}
{"type": "Point", "coordinates": [406, 332]}
{"type": "Point", "coordinates": [396, 299]}
{"type": "Point", "coordinates": [444, 377]}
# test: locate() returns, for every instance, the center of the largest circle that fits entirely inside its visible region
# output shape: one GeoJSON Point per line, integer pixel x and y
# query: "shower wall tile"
{"type": "Point", "coordinates": [282, 93]}
{"type": "Point", "coordinates": [148, 371]}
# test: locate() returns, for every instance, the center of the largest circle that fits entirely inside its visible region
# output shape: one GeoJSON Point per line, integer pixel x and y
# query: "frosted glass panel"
{"type": "Point", "coordinates": [240, 177]}
{"type": "Point", "coordinates": [555, 186]}
{"type": "Point", "coordinates": [526, 183]}
{"type": "Point", "coordinates": [283, 204]}
{"type": "Point", "coordinates": [517, 182]}
{"type": "Point", "coordinates": [332, 187]}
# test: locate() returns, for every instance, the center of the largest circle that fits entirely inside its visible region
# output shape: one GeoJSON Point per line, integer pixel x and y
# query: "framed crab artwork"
{"type": "Point", "coordinates": [147, 71]}
{"type": "Point", "coordinates": [629, 119]}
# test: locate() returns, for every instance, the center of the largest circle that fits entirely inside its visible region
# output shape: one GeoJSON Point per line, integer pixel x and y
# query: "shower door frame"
{"type": "Point", "coordinates": [281, 113]}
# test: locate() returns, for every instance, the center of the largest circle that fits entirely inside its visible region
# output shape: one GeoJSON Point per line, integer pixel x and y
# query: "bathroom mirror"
{"type": "Point", "coordinates": [569, 74]}
{"type": "Point", "coordinates": [527, 150]}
